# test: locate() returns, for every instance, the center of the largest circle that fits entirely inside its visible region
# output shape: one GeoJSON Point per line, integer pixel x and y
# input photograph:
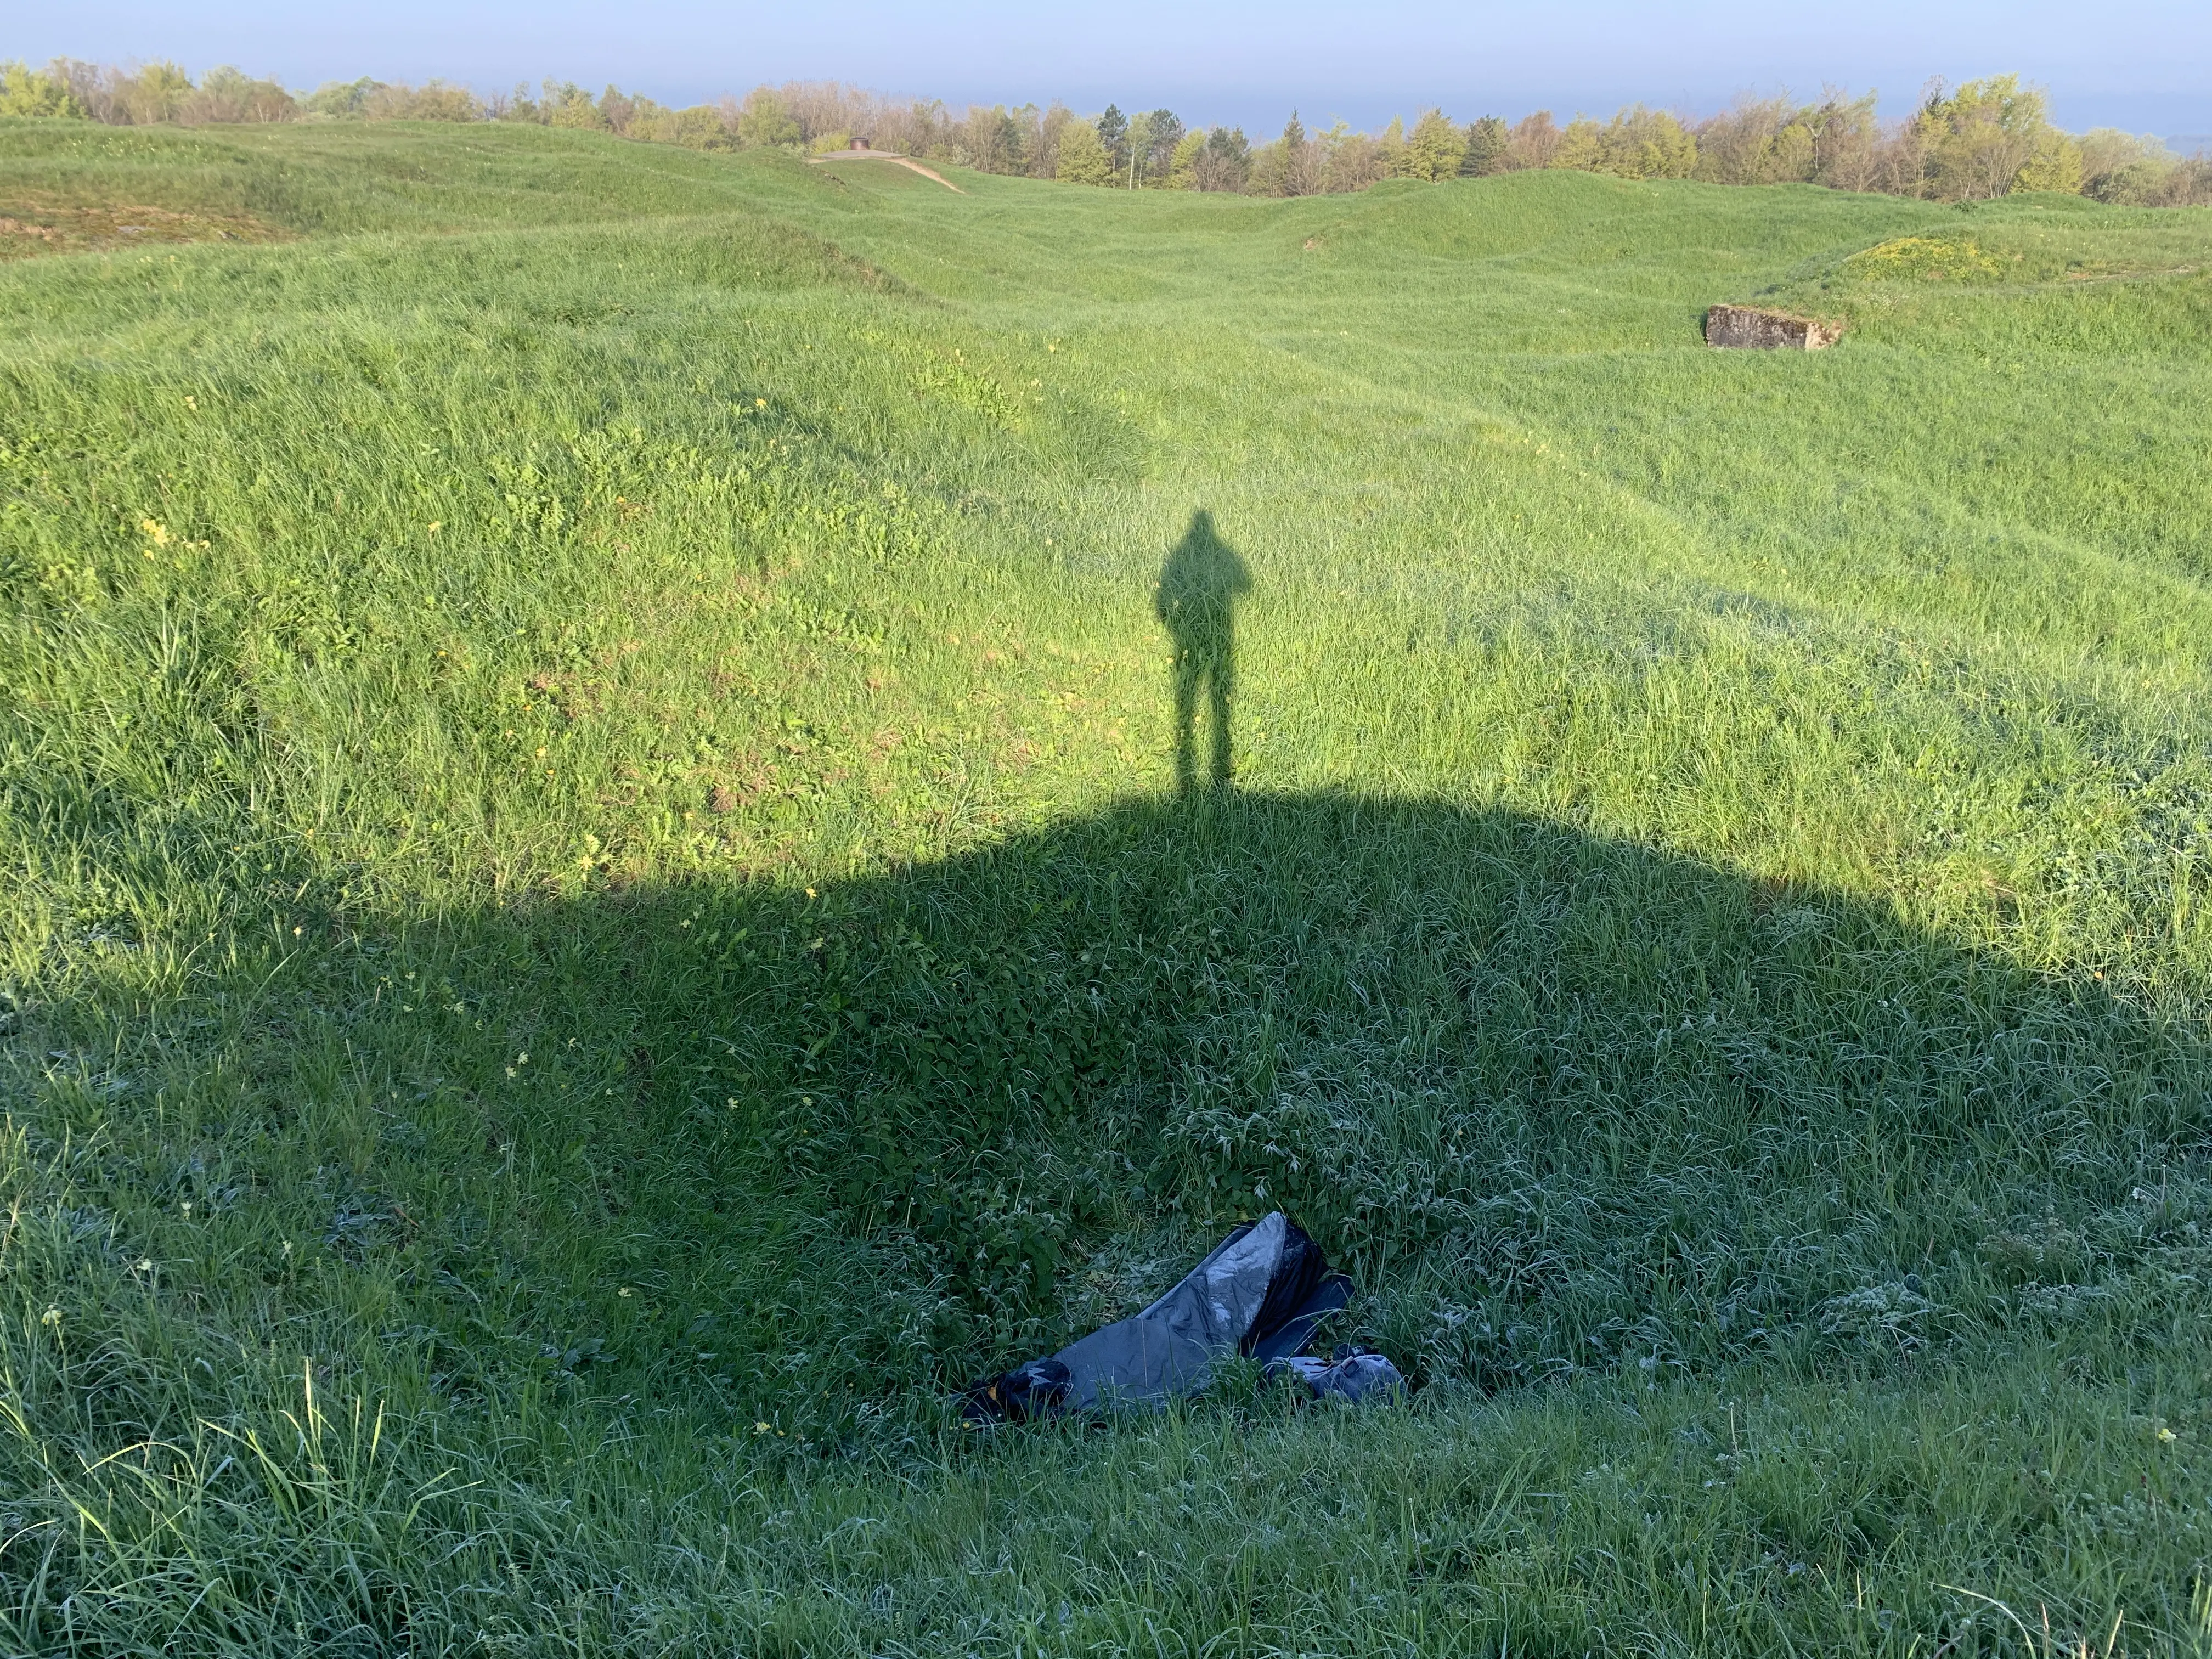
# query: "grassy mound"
{"type": "Point", "coordinates": [598, 908]}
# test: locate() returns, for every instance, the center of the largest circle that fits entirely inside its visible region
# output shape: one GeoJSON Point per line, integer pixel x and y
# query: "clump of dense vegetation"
{"type": "Point", "coordinates": [598, 912]}
{"type": "Point", "coordinates": [1982, 140]}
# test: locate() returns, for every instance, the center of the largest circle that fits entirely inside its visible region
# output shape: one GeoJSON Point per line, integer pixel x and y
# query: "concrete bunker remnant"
{"type": "Point", "coordinates": [1751, 327]}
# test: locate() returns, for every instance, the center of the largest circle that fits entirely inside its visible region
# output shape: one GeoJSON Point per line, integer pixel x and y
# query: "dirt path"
{"type": "Point", "coordinates": [906, 161]}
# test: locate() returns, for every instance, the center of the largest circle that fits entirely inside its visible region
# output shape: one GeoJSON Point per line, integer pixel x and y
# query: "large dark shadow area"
{"type": "Point", "coordinates": [1560, 1103]}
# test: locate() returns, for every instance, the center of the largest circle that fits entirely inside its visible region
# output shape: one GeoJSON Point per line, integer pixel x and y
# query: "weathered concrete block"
{"type": "Point", "coordinates": [1768, 330]}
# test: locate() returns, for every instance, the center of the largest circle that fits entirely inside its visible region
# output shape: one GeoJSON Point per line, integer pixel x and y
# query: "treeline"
{"type": "Point", "coordinates": [1985, 138]}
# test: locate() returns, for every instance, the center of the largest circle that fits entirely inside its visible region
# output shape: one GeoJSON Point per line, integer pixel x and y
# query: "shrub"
{"type": "Point", "coordinates": [1930, 259]}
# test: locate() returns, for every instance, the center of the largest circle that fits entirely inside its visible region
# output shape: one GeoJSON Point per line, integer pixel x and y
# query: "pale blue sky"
{"type": "Point", "coordinates": [2144, 65]}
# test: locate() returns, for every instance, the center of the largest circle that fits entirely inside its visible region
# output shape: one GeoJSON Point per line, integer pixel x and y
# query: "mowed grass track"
{"type": "Point", "coordinates": [597, 912]}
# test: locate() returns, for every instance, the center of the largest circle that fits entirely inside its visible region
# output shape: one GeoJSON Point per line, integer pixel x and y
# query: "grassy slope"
{"type": "Point", "coordinates": [1710, 926]}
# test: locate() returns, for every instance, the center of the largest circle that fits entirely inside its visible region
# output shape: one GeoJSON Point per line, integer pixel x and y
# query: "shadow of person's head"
{"type": "Point", "coordinates": [1199, 587]}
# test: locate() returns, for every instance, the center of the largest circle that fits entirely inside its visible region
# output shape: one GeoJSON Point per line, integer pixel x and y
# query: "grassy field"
{"type": "Point", "coordinates": [598, 909]}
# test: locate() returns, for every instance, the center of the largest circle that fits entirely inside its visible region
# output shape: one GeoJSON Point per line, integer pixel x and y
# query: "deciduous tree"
{"type": "Point", "coordinates": [37, 94]}
{"type": "Point", "coordinates": [1758, 141]}
{"type": "Point", "coordinates": [1353, 161]}
{"type": "Point", "coordinates": [1581, 145]}
{"type": "Point", "coordinates": [1182, 165]}
{"type": "Point", "coordinates": [341, 99]}
{"type": "Point", "coordinates": [1052, 127]}
{"type": "Point", "coordinates": [1287, 166]}
{"type": "Point", "coordinates": [2131, 171]}
{"type": "Point", "coordinates": [438, 101]}
{"type": "Point", "coordinates": [1136, 145]}
{"type": "Point", "coordinates": [763, 121]}
{"type": "Point", "coordinates": [1535, 141]}
{"type": "Point", "coordinates": [155, 94]}
{"type": "Point", "coordinates": [1981, 137]}
{"type": "Point", "coordinates": [1082, 157]}
{"type": "Point", "coordinates": [989, 140]}
{"type": "Point", "coordinates": [1637, 144]}
{"type": "Point", "coordinates": [1226, 163]}
{"type": "Point", "coordinates": [1845, 138]}
{"type": "Point", "coordinates": [566, 104]}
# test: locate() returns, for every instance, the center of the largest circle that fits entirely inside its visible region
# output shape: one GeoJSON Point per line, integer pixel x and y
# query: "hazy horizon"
{"type": "Point", "coordinates": [2146, 67]}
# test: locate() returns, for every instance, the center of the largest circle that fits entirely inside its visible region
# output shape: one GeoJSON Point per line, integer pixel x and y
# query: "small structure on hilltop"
{"type": "Point", "coordinates": [1748, 326]}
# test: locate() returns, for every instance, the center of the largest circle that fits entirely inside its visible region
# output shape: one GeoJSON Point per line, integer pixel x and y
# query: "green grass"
{"type": "Point", "coordinates": [596, 913]}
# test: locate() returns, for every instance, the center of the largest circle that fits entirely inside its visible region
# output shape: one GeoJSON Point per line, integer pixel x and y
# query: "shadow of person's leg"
{"type": "Point", "coordinates": [1219, 686]}
{"type": "Point", "coordinates": [1185, 720]}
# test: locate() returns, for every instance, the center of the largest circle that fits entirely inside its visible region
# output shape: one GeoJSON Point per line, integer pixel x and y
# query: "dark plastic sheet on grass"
{"type": "Point", "coordinates": [1260, 1293]}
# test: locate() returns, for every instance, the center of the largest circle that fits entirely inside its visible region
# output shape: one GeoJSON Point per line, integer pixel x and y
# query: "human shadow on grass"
{"type": "Point", "coordinates": [1196, 601]}
{"type": "Point", "coordinates": [1558, 1102]}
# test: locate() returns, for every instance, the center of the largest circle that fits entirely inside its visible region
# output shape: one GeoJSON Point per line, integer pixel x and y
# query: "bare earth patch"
{"type": "Point", "coordinates": [28, 228]}
{"type": "Point", "coordinates": [906, 161]}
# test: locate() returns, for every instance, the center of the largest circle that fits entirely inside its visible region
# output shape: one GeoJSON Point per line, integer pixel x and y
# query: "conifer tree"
{"type": "Point", "coordinates": [1113, 133]}
{"type": "Point", "coordinates": [1436, 147]}
{"type": "Point", "coordinates": [1487, 141]}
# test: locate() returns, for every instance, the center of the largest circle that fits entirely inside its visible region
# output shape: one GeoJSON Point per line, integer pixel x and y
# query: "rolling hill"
{"type": "Point", "coordinates": [599, 911]}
